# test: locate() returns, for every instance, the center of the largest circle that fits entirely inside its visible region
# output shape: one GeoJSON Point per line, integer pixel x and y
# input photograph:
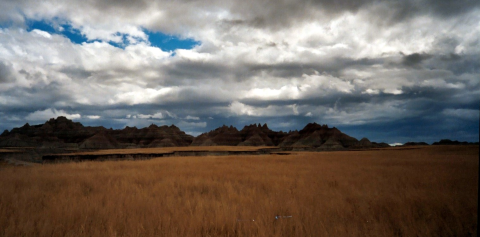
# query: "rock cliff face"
{"type": "Point", "coordinates": [152, 136]}
{"type": "Point", "coordinates": [450, 142]}
{"type": "Point", "coordinates": [415, 144]}
{"type": "Point", "coordinates": [66, 134]}
{"type": "Point", "coordinates": [319, 136]}
{"type": "Point", "coordinates": [222, 136]}
{"type": "Point", "coordinates": [312, 136]}
{"type": "Point", "coordinates": [250, 135]}
{"type": "Point", "coordinates": [60, 132]}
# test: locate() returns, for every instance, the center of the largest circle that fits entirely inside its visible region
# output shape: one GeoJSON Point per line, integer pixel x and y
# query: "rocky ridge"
{"type": "Point", "coordinates": [311, 137]}
{"type": "Point", "coordinates": [66, 134]}
{"type": "Point", "coordinates": [62, 133]}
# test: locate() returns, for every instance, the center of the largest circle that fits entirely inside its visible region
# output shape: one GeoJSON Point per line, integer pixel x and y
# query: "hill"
{"type": "Point", "coordinates": [64, 133]}
{"type": "Point", "coordinates": [312, 136]}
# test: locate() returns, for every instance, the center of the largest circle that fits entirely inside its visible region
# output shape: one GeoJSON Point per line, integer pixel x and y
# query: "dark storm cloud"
{"type": "Point", "coordinates": [449, 8]}
{"type": "Point", "coordinates": [5, 73]}
{"type": "Point", "coordinates": [35, 98]}
{"type": "Point", "coordinates": [197, 70]}
{"type": "Point", "coordinates": [458, 64]}
{"type": "Point", "coordinates": [415, 59]}
{"type": "Point", "coordinates": [333, 66]}
{"type": "Point", "coordinates": [261, 14]}
{"type": "Point", "coordinates": [253, 59]}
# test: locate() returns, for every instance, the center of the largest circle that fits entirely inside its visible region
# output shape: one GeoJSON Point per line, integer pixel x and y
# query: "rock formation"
{"type": "Point", "coordinates": [315, 136]}
{"type": "Point", "coordinates": [101, 140]}
{"type": "Point", "coordinates": [450, 142]}
{"type": "Point", "coordinates": [312, 136]}
{"type": "Point", "coordinates": [415, 144]}
{"type": "Point", "coordinates": [222, 136]}
{"type": "Point", "coordinates": [62, 133]}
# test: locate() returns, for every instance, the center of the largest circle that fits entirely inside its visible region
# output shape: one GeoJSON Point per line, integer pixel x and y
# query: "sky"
{"type": "Point", "coordinates": [391, 71]}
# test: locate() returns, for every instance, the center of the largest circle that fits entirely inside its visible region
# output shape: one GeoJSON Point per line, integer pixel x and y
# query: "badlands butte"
{"type": "Point", "coordinates": [61, 135]}
{"type": "Point", "coordinates": [64, 133]}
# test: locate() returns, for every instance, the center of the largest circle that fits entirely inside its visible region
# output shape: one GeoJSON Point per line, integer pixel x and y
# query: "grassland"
{"type": "Point", "coordinates": [431, 191]}
{"type": "Point", "coordinates": [8, 150]}
{"type": "Point", "coordinates": [170, 149]}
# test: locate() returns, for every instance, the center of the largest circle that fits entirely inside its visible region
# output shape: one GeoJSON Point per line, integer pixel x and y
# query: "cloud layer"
{"type": "Point", "coordinates": [393, 71]}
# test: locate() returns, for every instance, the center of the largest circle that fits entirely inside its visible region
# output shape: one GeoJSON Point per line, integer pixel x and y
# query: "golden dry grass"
{"type": "Point", "coordinates": [430, 191]}
{"type": "Point", "coordinates": [8, 150]}
{"type": "Point", "coordinates": [170, 149]}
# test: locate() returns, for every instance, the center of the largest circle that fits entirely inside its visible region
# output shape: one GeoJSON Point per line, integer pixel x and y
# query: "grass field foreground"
{"type": "Point", "coordinates": [430, 191]}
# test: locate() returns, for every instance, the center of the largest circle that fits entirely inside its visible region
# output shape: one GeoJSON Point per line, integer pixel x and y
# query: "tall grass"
{"type": "Point", "coordinates": [423, 192]}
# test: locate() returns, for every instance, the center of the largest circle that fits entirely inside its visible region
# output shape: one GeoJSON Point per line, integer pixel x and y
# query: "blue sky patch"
{"type": "Point", "coordinates": [169, 42]}
{"type": "Point", "coordinates": [157, 39]}
{"type": "Point", "coordinates": [62, 29]}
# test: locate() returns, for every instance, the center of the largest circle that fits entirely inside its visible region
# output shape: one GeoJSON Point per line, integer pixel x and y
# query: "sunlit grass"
{"type": "Point", "coordinates": [430, 191]}
{"type": "Point", "coordinates": [171, 149]}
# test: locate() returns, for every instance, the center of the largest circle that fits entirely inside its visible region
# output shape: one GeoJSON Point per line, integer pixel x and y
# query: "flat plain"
{"type": "Point", "coordinates": [171, 149]}
{"type": "Point", "coordinates": [420, 191]}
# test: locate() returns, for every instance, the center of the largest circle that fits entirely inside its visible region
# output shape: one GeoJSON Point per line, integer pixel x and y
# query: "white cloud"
{"type": "Point", "coordinates": [137, 95]}
{"type": "Point", "coordinates": [294, 109]}
{"type": "Point", "coordinates": [171, 115]}
{"type": "Point", "coordinates": [143, 116]}
{"type": "Point", "coordinates": [93, 116]}
{"type": "Point", "coordinates": [42, 33]}
{"type": "Point", "coordinates": [50, 113]}
{"type": "Point", "coordinates": [158, 115]}
{"type": "Point", "coordinates": [371, 91]}
{"type": "Point", "coordinates": [192, 118]}
{"type": "Point", "coordinates": [251, 61]}
{"type": "Point", "coordinates": [238, 108]}
{"type": "Point", "coordinates": [241, 109]}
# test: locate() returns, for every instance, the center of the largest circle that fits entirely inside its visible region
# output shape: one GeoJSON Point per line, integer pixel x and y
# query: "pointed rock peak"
{"type": "Point", "coordinates": [175, 128]}
{"type": "Point", "coordinates": [5, 133]}
{"type": "Point", "coordinates": [312, 126]}
{"type": "Point", "coordinates": [26, 125]}
{"type": "Point", "coordinates": [225, 128]}
{"type": "Point", "coordinates": [62, 118]}
{"type": "Point", "coordinates": [152, 126]}
{"type": "Point", "coordinates": [265, 126]}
